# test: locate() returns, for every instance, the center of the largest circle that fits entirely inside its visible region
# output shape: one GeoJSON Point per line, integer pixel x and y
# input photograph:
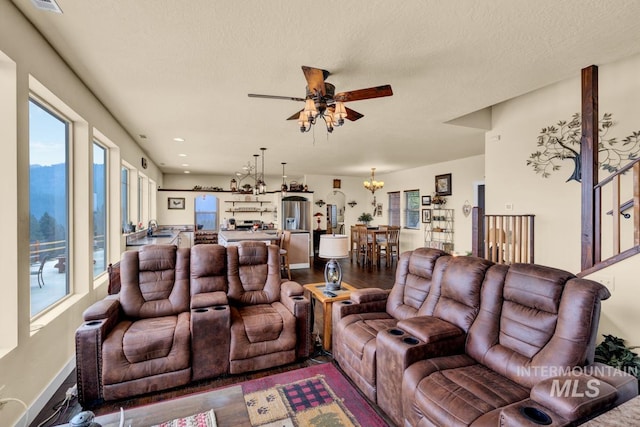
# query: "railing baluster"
{"type": "Point", "coordinates": [615, 193]}
{"type": "Point", "coordinates": [636, 204]}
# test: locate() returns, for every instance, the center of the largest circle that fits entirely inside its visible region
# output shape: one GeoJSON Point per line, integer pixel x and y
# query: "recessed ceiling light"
{"type": "Point", "coordinates": [178, 139]}
{"type": "Point", "coordinates": [182, 155]}
{"type": "Point", "coordinates": [187, 171]}
{"type": "Point", "coordinates": [185, 164]}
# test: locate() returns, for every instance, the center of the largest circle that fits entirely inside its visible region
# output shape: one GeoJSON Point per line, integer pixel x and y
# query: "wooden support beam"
{"type": "Point", "coordinates": [589, 162]}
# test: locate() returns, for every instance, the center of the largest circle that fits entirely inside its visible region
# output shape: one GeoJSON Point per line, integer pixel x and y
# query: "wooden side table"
{"type": "Point", "coordinates": [317, 292]}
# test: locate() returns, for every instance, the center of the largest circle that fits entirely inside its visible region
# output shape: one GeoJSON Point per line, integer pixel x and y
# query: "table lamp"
{"type": "Point", "coordinates": [333, 247]}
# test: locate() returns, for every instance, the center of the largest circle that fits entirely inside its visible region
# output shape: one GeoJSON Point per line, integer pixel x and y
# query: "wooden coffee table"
{"type": "Point", "coordinates": [317, 292]}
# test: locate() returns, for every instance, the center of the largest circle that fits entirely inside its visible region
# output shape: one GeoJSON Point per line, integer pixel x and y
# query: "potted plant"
{"type": "Point", "coordinates": [438, 200]}
{"type": "Point", "coordinates": [365, 218]}
{"type": "Point", "coordinates": [613, 352]}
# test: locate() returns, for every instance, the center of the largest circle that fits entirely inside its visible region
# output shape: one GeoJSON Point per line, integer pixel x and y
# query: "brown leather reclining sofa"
{"type": "Point", "coordinates": [461, 341]}
{"type": "Point", "coordinates": [183, 315]}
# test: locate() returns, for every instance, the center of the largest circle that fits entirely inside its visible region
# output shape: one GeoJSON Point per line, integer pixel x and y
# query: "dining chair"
{"type": "Point", "coordinates": [354, 242]}
{"type": "Point", "coordinates": [285, 240]}
{"type": "Point", "coordinates": [392, 244]}
{"type": "Point", "coordinates": [365, 245]}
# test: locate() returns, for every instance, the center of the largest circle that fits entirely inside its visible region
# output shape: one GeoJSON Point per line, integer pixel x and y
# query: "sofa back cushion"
{"type": "Point", "coordinates": [154, 281]}
{"type": "Point", "coordinates": [413, 282]}
{"type": "Point", "coordinates": [208, 269]}
{"type": "Point", "coordinates": [537, 323]}
{"type": "Point", "coordinates": [253, 271]}
{"type": "Point", "coordinates": [455, 291]}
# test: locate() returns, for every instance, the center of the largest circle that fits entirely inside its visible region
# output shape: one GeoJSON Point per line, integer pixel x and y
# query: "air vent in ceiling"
{"type": "Point", "coordinates": [49, 5]}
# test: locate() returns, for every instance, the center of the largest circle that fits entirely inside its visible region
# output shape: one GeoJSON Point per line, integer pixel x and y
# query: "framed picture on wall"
{"type": "Point", "coordinates": [426, 215]}
{"type": "Point", "coordinates": [175, 203]}
{"type": "Point", "coordinates": [337, 183]}
{"type": "Point", "coordinates": [443, 184]}
{"type": "Point", "coordinates": [426, 200]}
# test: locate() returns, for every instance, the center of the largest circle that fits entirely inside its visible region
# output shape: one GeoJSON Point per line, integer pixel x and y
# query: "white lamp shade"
{"type": "Point", "coordinates": [334, 246]}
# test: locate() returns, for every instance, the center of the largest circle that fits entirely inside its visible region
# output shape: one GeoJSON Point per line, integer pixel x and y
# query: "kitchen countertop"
{"type": "Point", "coordinates": [161, 237]}
{"type": "Point", "coordinates": [237, 236]}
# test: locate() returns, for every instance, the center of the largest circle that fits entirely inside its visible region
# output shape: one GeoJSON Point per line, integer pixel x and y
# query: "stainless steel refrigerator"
{"type": "Point", "coordinates": [296, 213]}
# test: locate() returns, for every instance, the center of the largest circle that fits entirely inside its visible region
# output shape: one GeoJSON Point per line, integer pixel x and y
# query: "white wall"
{"type": "Point", "coordinates": [556, 203]}
{"type": "Point", "coordinates": [33, 354]}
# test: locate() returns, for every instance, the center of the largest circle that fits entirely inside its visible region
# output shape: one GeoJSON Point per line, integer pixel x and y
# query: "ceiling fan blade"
{"type": "Point", "coordinates": [357, 95]}
{"type": "Point", "coordinates": [296, 115]}
{"type": "Point", "coordinates": [287, 98]}
{"type": "Point", "coordinates": [353, 115]}
{"type": "Point", "coordinates": [315, 79]}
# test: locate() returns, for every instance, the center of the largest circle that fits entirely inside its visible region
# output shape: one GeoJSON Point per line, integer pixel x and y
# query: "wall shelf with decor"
{"type": "Point", "coordinates": [248, 208]}
{"type": "Point", "coordinates": [438, 233]}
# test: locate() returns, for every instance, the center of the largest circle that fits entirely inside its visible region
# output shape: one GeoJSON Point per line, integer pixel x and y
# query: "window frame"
{"type": "Point", "coordinates": [107, 223]}
{"type": "Point", "coordinates": [409, 211]}
{"type": "Point", "coordinates": [46, 106]}
{"type": "Point", "coordinates": [394, 211]}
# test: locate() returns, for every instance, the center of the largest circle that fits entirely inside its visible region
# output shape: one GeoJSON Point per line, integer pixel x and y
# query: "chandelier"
{"type": "Point", "coordinates": [251, 171]}
{"type": "Point", "coordinates": [373, 185]}
{"type": "Point", "coordinates": [333, 116]}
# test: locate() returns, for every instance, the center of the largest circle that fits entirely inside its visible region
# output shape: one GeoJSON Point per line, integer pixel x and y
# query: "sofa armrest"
{"type": "Point", "coordinates": [104, 309]}
{"type": "Point", "coordinates": [208, 299]}
{"type": "Point", "coordinates": [574, 396]}
{"type": "Point", "coordinates": [289, 289]}
{"type": "Point", "coordinates": [210, 325]}
{"type": "Point", "coordinates": [369, 295]}
{"type": "Point", "coordinates": [625, 384]}
{"type": "Point", "coordinates": [300, 307]}
{"type": "Point", "coordinates": [433, 330]}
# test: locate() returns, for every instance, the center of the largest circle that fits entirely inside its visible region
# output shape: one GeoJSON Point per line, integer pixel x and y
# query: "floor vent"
{"type": "Point", "coordinates": [49, 5]}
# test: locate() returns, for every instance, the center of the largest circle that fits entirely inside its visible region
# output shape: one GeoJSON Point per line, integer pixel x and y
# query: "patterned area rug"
{"type": "Point", "coordinates": [204, 419]}
{"type": "Point", "coordinates": [314, 396]}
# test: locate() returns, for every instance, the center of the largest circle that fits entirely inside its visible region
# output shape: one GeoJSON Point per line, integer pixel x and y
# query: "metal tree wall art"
{"type": "Point", "coordinates": [562, 142]}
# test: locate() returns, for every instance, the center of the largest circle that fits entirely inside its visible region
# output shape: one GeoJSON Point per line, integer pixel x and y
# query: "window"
{"type": "Point", "coordinates": [206, 209]}
{"type": "Point", "coordinates": [48, 206]}
{"type": "Point", "coordinates": [394, 208]}
{"type": "Point", "coordinates": [99, 209]}
{"type": "Point", "coordinates": [124, 199]}
{"type": "Point", "coordinates": [412, 210]}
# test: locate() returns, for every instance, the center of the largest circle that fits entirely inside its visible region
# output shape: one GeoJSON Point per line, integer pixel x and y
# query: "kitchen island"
{"type": "Point", "coordinates": [230, 237]}
{"type": "Point", "coordinates": [298, 248]}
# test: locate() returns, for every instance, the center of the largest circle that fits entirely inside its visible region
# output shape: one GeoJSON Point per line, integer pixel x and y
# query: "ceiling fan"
{"type": "Point", "coordinates": [322, 101]}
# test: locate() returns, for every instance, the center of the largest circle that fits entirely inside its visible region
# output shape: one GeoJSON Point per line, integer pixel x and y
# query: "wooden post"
{"type": "Point", "coordinates": [589, 162]}
{"type": "Point", "coordinates": [477, 224]}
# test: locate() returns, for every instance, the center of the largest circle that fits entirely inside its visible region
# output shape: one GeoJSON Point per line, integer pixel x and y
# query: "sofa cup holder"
{"type": "Point", "coordinates": [535, 415]}
{"type": "Point", "coordinates": [396, 332]}
{"type": "Point", "coordinates": [297, 298]}
{"type": "Point", "coordinates": [201, 310]}
{"type": "Point", "coordinates": [93, 323]}
{"type": "Point", "coordinates": [410, 340]}
{"type": "Point", "coordinates": [219, 307]}
{"type": "Point", "coordinates": [347, 302]}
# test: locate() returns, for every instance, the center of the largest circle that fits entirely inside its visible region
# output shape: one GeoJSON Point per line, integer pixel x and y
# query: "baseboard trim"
{"type": "Point", "coordinates": [41, 401]}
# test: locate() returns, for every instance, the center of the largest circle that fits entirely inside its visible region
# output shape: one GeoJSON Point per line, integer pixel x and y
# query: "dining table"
{"type": "Point", "coordinates": [376, 237]}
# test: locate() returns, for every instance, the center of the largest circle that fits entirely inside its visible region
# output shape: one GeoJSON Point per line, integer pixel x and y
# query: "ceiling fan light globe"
{"type": "Point", "coordinates": [310, 108]}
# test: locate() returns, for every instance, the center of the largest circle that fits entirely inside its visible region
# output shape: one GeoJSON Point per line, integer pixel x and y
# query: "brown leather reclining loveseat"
{"type": "Point", "coordinates": [188, 314]}
{"type": "Point", "coordinates": [486, 345]}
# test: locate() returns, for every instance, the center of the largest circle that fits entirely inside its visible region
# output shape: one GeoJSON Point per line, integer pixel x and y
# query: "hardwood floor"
{"type": "Point", "coordinates": [360, 277]}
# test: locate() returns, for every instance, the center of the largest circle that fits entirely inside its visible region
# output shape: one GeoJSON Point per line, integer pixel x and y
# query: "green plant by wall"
{"type": "Point", "coordinates": [365, 217]}
{"type": "Point", "coordinates": [613, 352]}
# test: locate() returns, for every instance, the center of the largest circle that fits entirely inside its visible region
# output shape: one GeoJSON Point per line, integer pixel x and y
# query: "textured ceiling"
{"type": "Point", "coordinates": [184, 69]}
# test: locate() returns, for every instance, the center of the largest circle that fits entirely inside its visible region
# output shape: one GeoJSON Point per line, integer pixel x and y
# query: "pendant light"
{"type": "Point", "coordinates": [256, 188]}
{"type": "Point", "coordinates": [262, 184]}
{"type": "Point", "coordinates": [283, 187]}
